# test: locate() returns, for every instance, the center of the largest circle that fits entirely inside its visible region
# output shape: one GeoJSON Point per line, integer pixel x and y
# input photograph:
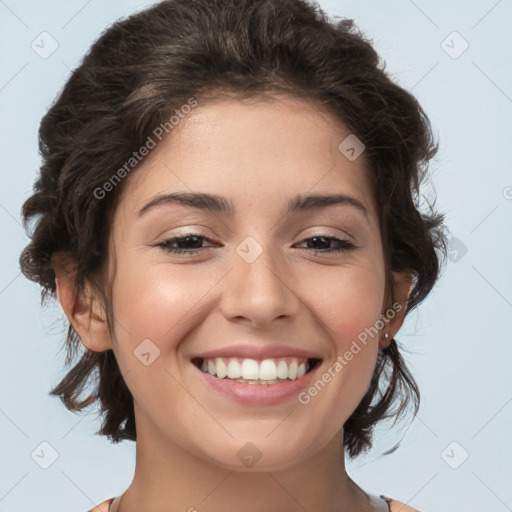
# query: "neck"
{"type": "Point", "coordinates": [175, 479]}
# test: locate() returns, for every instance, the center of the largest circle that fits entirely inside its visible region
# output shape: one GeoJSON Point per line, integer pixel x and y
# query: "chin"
{"type": "Point", "coordinates": [257, 456]}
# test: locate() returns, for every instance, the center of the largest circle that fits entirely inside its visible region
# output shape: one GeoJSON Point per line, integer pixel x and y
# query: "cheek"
{"type": "Point", "coordinates": [156, 302]}
{"type": "Point", "coordinates": [348, 304]}
{"type": "Point", "coordinates": [152, 306]}
{"type": "Point", "coordinates": [347, 301]}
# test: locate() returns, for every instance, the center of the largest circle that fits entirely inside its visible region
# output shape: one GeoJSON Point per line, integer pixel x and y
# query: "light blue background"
{"type": "Point", "coordinates": [459, 341]}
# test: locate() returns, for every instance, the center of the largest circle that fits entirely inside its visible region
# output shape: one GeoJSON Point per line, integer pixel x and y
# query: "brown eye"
{"type": "Point", "coordinates": [322, 244]}
{"type": "Point", "coordinates": [188, 244]}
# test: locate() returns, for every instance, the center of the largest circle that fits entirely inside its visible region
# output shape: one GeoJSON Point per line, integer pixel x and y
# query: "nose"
{"type": "Point", "coordinates": [259, 292]}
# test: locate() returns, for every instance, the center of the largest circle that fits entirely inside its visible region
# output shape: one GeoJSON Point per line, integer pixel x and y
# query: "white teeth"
{"type": "Point", "coordinates": [234, 369]}
{"type": "Point", "coordinates": [292, 370]}
{"type": "Point", "coordinates": [282, 370]}
{"type": "Point", "coordinates": [252, 371]}
{"type": "Point", "coordinates": [268, 370]}
{"type": "Point", "coordinates": [259, 381]}
{"type": "Point", "coordinates": [222, 369]}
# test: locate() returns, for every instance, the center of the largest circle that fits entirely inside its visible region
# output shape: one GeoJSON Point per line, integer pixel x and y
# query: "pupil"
{"type": "Point", "coordinates": [316, 238]}
{"type": "Point", "coordinates": [186, 242]}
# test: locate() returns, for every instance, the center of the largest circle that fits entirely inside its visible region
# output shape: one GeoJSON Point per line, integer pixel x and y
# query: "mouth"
{"type": "Point", "coordinates": [274, 371]}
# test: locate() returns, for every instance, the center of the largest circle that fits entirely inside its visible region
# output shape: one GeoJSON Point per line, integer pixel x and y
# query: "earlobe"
{"type": "Point", "coordinates": [403, 287]}
{"type": "Point", "coordinates": [84, 312]}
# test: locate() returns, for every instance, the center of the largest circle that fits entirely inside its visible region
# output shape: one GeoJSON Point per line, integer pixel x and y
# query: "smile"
{"type": "Point", "coordinates": [253, 371]}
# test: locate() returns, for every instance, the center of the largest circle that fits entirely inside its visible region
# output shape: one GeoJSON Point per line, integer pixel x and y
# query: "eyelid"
{"type": "Point", "coordinates": [327, 231]}
{"type": "Point", "coordinates": [186, 230]}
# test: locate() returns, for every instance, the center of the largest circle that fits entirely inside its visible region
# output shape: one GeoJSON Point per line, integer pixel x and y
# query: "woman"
{"type": "Point", "coordinates": [227, 214]}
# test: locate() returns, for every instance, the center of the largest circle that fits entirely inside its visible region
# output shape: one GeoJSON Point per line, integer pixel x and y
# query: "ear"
{"type": "Point", "coordinates": [84, 312]}
{"type": "Point", "coordinates": [396, 314]}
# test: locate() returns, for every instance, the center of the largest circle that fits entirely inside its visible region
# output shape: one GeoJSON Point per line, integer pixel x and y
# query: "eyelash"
{"type": "Point", "coordinates": [344, 245]}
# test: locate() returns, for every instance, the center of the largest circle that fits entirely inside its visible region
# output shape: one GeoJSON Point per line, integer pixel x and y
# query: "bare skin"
{"type": "Point", "coordinates": [259, 155]}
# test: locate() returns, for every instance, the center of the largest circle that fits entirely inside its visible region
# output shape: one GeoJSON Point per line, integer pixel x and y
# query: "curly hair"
{"type": "Point", "coordinates": [145, 66]}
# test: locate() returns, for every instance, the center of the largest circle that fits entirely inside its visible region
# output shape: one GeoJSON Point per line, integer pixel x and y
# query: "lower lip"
{"type": "Point", "coordinates": [258, 394]}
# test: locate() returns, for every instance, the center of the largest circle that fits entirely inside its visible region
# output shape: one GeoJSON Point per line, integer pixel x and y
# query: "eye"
{"type": "Point", "coordinates": [191, 243]}
{"type": "Point", "coordinates": [340, 245]}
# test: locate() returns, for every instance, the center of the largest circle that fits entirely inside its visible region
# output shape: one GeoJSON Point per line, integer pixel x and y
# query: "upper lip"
{"type": "Point", "coordinates": [251, 351]}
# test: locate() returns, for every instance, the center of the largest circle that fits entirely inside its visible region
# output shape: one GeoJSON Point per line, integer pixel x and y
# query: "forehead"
{"type": "Point", "coordinates": [257, 152]}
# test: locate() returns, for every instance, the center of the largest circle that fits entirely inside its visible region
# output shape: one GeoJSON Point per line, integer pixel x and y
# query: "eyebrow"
{"type": "Point", "coordinates": [219, 204]}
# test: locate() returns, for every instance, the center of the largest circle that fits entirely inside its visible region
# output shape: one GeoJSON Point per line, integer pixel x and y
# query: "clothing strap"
{"type": "Point", "coordinates": [387, 500]}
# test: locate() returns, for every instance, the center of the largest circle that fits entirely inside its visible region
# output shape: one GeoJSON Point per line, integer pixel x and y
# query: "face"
{"type": "Point", "coordinates": [246, 274]}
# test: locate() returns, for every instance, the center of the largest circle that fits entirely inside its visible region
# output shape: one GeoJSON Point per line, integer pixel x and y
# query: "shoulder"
{"type": "Point", "coordinates": [103, 506]}
{"type": "Point", "coordinates": [397, 506]}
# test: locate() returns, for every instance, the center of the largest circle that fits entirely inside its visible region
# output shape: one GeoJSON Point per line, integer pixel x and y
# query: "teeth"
{"type": "Point", "coordinates": [234, 369]}
{"type": "Point", "coordinates": [252, 371]}
{"type": "Point", "coordinates": [268, 370]}
{"type": "Point", "coordinates": [221, 369]}
{"type": "Point", "coordinates": [292, 370]}
{"type": "Point", "coordinates": [282, 370]}
{"type": "Point", "coordinates": [259, 381]}
{"type": "Point", "coordinates": [301, 371]}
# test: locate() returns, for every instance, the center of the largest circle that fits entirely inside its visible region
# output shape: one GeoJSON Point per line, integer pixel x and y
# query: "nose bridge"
{"type": "Point", "coordinates": [257, 287]}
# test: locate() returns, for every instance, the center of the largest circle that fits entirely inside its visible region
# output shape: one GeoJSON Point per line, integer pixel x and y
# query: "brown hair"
{"type": "Point", "coordinates": [133, 78]}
